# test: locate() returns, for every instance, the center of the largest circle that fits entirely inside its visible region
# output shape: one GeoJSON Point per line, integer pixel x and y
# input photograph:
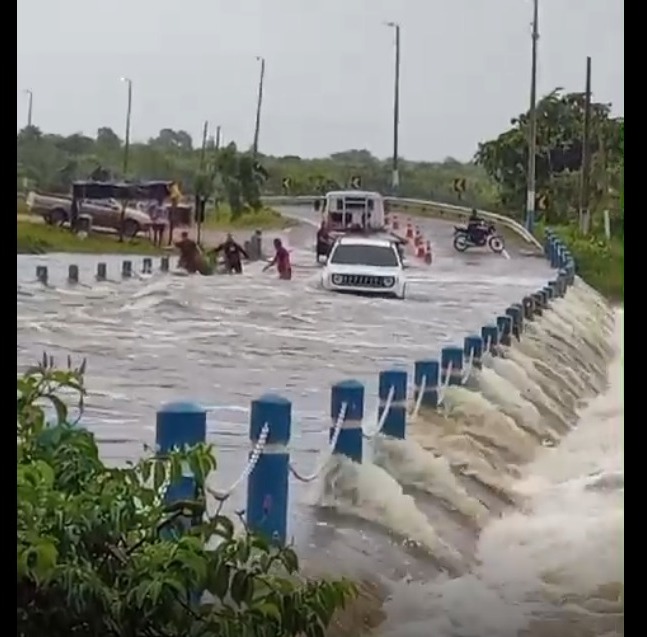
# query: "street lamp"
{"type": "Point", "coordinates": [257, 127]}
{"type": "Point", "coordinates": [395, 179]}
{"type": "Point", "coordinates": [30, 105]}
{"type": "Point", "coordinates": [532, 124]}
{"type": "Point", "coordinates": [129, 106]}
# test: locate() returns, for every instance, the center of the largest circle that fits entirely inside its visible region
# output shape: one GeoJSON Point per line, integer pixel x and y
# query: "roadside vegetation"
{"type": "Point", "coordinates": [38, 238]}
{"type": "Point", "coordinates": [99, 553]}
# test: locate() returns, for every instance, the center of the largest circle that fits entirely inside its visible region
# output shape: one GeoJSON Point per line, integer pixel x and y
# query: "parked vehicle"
{"type": "Point", "coordinates": [106, 213]}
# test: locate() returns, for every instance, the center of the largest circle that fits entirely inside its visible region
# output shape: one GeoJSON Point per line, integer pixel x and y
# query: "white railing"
{"type": "Point", "coordinates": [420, 206]}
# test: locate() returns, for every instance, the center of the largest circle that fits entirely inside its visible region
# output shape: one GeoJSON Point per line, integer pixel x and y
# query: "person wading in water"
{"type": "Point", "coordinates": [281, 260]}
{"type": "Point", "coordinates": [191, 258]}
{"type": "Point", "coordinates": [233, 252]}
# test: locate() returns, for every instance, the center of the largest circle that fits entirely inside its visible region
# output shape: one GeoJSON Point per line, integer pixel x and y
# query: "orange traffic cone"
{"type": "Point", "coordinates": [428, 257]}
{"type": "Point", "coordinates": [409, 234]}
{"type": "Point", "coordinates": [395, 224]}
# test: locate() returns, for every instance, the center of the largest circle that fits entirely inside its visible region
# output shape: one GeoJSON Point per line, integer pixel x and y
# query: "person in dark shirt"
{"type": "Point", "coordinates": [190, 256]}
{"type": "Point", "coordinates": [323, 241]}
{"type": "Point", "coordinates": [232, 252]}
{"type": "Point", "coordinates": [281, 260]}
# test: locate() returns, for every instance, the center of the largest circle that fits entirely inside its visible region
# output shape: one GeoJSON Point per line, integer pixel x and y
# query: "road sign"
{"type": "Point", "coordinates": [541, 202]}
{"type": "Point", "coordinates": [355, 182]}
{"type": "Point", "coordinates": [459, 185]}
{"type": "Point", "coordinates": [286, 182]}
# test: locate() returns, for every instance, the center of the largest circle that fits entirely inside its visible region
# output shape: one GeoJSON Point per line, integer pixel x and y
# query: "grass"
{"type": "Point", "coordinates": [263, 219]}
{"type": "Point", "coordinates": [38, 238]}
{"type": "Point", "coordinates": [599, 262]}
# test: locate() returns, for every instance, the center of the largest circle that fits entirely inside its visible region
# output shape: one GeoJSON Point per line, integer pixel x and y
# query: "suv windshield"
{"type": "Point", "coordinates": [376, 256]}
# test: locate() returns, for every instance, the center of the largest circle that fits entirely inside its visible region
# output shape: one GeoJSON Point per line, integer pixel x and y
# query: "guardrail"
{"type": "Point", "coordinates": [269, 466]}
{"type": "Point", "coordinates": [422, 207]}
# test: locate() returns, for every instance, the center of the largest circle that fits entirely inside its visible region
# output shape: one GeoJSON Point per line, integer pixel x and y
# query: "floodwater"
{"type": "Point", "coordinates": [479, 522]}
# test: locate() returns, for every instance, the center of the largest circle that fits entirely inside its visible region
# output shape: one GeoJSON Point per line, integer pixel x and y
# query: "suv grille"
{"type": "Point", "coordinates": [362, 280]}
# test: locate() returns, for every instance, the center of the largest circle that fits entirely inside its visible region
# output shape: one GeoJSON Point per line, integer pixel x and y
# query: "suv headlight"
{"type": "Point", "coordinates": [336, 279]}
{"type": "Point", "coordinates": [389, 281]}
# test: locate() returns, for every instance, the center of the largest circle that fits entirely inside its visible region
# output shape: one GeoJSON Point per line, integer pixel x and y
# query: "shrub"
{"type": "Point", "coordinates": [100, 554]}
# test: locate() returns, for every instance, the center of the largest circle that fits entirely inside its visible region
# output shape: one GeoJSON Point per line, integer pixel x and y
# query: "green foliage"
{"type": "Point", "coordinates": [560, 120]}
{"type": "Point", "coordinates": [38, 238]}
{"type": "Point", "coordinates": [50, 162]}
{"type": "Point", "coordinates": [599, 262]}
{"type": "Point", "coordinates": [99, 553]}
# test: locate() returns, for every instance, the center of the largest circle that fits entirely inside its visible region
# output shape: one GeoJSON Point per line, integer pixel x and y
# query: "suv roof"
{"type": "Point", "coordinates": [366, 241]}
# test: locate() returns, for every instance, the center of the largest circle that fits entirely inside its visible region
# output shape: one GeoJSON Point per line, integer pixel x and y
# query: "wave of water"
{"type": "Point", "coordinates": [483, 522]}
{"type": "Point", "coordinates": [551, 562]}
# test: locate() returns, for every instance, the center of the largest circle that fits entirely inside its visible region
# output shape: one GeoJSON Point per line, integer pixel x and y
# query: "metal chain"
{"type": "Point", "coordinates": [443, 386]}
{"type": "Point", "coordinates": [421, 395]}
{"type": "Point", "coordinates": [253, 459]}
{"type": "Point", "coordinates": [468, 370]}
{"type": "Point", "coordinates": [385, 413]}
{"type": "Point", "coordinates": [331, 448]}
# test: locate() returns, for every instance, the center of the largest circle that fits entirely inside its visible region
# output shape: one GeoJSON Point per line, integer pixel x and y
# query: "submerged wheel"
{"type": "Point", "coordinates": [460, 242]}
{"type": "Point", "coordinates": [496, 244]}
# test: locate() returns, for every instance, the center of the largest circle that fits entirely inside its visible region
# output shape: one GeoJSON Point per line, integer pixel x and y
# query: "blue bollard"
{"type": "Point", "coordinates": [126, 269]}
{"type": "Point", "coordinates": [395, 421]}
{"type": "Point", "coordinates": [554, 253]}
{"type": "Point", "coordinates": [453, 355]}
{"type": "Point", "coordinates": [549, 292]}
{"type": "Point", "coordinates": [73, 274]}
{"type": "Point", "coordinates": [102, 271]}
{"type": "Point", "coordinates": [548, 236]}
{"type": "Point", "coordinates": [180, 425]}
{"type": "Point", "coordinates": [473, 346]}
{"type": "Point", "coordinates": [147, 265]}
{"type": "Point", "coordinates": [504, 323]}
{"type": "Point", "coordinates": [544, 298]}
{"type": "Point", "coordinates": [268, 484]}
{"type": "Point", "coordinates": [42, 276]}
{"type": "Point", "coordinates": [528, 308]}
{"type": "Point", "coordinates": [349, 442]}
{"type": "Point", "coordinates": [554, 286]}
{"type": "Point", "coordinates": [539, 303]}
{"type": "Point", "coordinates": [490, 335]}
{"type": "Point", "coordinates": [165, 264]}
{"type": "Point", "coordinates": [516, 315]}
{"type": "Point", "coordinates": [430, 372]}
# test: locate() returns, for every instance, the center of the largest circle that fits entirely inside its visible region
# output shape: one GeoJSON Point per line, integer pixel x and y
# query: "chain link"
{"type": "Point", "coordinates": [331, 449]}
{"type": "Point", "coordinates": [221, 496]}
{"type": "Point", "coordinates": [385, 413]}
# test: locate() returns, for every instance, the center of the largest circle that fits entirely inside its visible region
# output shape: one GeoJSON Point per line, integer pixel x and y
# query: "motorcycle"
{"type": "Point", "coordinates": [463, 239]}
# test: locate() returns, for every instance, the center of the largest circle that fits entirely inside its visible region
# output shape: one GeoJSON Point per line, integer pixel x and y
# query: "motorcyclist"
{"type": "Point", "coordinates": [475, 227]}
{"type": "Point", "coordinates": [232, 252]}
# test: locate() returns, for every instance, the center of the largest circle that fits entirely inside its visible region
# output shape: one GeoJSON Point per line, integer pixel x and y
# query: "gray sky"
{"type": "Point", "coordinates": [329, 81]}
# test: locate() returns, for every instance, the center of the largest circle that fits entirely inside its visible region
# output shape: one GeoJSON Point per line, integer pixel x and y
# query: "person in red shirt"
{"type": "Point", "coordinates": [281, 260]}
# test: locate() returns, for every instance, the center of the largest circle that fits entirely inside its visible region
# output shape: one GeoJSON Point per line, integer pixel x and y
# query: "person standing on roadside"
{"type": "Point", "coordinates": [159, 218]}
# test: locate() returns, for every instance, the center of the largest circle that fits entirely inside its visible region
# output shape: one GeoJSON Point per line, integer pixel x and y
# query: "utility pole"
{"type": "Point", "coordinates": [532, 124]}
{"type": "Point", "coordinates": [218, 129]}
{"type": "Point", "coordinates": [585, 180]}
{"type": "Point", "coordinates": [30, 106]}
{"type": "Point", "coordinates": [129, 108]}
{"type": "Point", "coordinates": [201, 197]}
{"type": "Point", "coordinates": [259, 104]}
{"type": "Point", "coordinates": [395, 174]}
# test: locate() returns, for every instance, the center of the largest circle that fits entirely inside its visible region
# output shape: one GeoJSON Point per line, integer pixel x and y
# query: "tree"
{"type": "Point", "coordinates": [100, 554]}
{"type": "Point", "coordinates": [560, 122]}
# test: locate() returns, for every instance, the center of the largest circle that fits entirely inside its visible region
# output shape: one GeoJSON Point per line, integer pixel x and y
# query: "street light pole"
{"type": "Point", "coordinates": [30, 106]}
{"type": "Point", "coordinates": [532, 124]}
{"type": "Point", "coordinates": [395, 175]}
{"type": "Point", "coordinates": [259, 104]}
{"type": "Point", "coordinates": [129, 107]}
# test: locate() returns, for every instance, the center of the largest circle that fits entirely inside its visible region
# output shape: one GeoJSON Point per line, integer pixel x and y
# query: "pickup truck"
{"type": "Point", "coordinates": [55, 210]}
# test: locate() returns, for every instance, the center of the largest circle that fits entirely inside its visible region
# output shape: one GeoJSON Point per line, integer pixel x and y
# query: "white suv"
{"type": "Point", "coordinates": [365, 265]}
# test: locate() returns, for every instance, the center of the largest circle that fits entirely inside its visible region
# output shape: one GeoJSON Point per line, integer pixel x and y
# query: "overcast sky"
{"type": "Point", "coordinates": [329, 80]}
